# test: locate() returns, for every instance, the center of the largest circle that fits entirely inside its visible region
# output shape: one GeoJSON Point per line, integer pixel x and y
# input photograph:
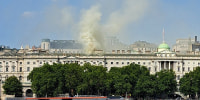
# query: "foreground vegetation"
{"type": "Point", "coordinates": [135, 80]}
{"type": "Point", "coordinates": [13, 86]}
{"type": "Point", "coordinates": [190, 83]}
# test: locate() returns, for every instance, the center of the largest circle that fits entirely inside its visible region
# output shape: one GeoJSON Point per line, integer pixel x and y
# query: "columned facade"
{"type": "Point", "coordinates": [22, 65]}
{"type": "Point", "coordinates": [166, 65]}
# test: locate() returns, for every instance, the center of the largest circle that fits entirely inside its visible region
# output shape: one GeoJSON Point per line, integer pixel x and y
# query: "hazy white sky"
{"type": "Point", "coordinates": [26, 22]}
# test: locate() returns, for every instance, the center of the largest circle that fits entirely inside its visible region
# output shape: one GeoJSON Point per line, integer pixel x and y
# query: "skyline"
{"type": "Point", "coordinates": [26, 22]}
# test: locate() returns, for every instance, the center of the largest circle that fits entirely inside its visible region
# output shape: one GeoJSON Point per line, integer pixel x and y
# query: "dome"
{"type": "Point", "coordinates": [163, 46]}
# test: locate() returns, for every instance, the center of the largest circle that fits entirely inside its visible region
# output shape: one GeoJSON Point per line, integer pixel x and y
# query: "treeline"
{"type": "Point", "coordinates": [190, 83]}
{"type": "Point", "coordinates": [135, 80]}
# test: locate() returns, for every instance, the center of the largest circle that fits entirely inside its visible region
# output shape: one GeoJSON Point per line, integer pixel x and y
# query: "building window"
{"type": "Point", "coordinates": [27, 78]}
{"type": "Point", "coordinates": [0, 62]}
{"type": "Point", "coordinates": [100, 63]}
{"type": "Point", "coordinates": [138, 62]}
{"type": "Point", "coordinates": [1, 68]}
{"type": "Point", "coordinates": [127, 63]}
{"type": "Point", "coordinates": [34, 63]}
{"type": "Point", "coordinates": [178, 77]}
{"type": "Point", "coordinates": [13, 68]}
{"type": "Point", "coordinates": [20, 78]}
{"type": "Point", "coordinates": [20, 69]}
{"type": "Point", "coordinates": [122, 63]}
{"type": "Point", "coordinates": [143, 63]}
{"type": "Point", "coordinates": [183, 69]}
{"type": "Point", "coordinates": [188, 68]}
{"type": "Point", "coordinates": [28, 62]}
{"type": "Point", "coordinates": [28, 69]}
{"type": "Point", "coordinates": [178, 69]}
{"type": "Point", "coordinates": [40, 62]}
{"type": "Point", "coordinates": [199, 64]}
{"type": "Point", "coordinates": [94, 62]}
{"type": "Point", "coordinates": [20, 63]}
{"type": "Point", "coordinates": [111, 62]}
{"type": "Point", "coordinates": [117, 62]}
{"type": "Point", "coordinates": [6, 68]}
{"type": "Point", "coordinates": [149, 68]}
{"type": "Point", "coordinates": [155, 69]}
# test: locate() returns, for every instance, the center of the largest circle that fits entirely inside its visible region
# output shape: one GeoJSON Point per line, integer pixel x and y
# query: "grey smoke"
{"type": "Point", "coordinates": [94, 25]}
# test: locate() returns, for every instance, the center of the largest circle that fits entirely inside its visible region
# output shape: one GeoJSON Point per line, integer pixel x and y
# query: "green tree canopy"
{"type": "Point", "coordinates": [146, 86]}
{"type": "Point", "coordinates": [190, 83]}
{"type": "Point", "coordinates": [166, 82]}
{"type": "Point", "coordinates": [13, 86]}
{"type": "Point", "coordinates": [51, 80]}
{"type": "Point", "coordinates": [94, 80]}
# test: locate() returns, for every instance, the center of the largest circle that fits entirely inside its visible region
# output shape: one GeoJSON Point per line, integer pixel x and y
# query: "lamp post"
{"type": "Point", "coordinates": [126, 88]}
{"type": "Point", "coordinates": [190, 88]}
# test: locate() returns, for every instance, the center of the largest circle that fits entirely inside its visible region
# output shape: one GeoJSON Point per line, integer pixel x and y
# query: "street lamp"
{"type": "Point", "coordinates": [126, 88]}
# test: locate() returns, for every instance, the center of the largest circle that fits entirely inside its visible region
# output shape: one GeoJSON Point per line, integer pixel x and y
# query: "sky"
{"type": "Point", "coordinates": [27, 22]}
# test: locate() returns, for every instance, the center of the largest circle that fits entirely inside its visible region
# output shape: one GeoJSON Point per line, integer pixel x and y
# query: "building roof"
{"type": "Point", "coordinates": [164, 46]}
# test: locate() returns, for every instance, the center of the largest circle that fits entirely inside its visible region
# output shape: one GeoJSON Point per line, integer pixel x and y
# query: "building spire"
{"type": "Point", "coordinates": [163, 35]}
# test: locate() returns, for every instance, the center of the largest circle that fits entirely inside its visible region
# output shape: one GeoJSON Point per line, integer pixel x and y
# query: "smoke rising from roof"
{"type": "Point", "coordinates": [92, 33]}
{"type": "Point", "coordinates": [90, 30]}
{"type": "Point", "coordinates": [94, 23]}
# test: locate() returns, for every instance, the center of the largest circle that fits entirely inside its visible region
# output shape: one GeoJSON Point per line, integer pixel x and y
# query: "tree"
{"type": "Point", "coordinates": [190, 83]}
{"type": "Point", "coordinates": [124, 79]}
{"type": "Point", "coordinates": [133, 72]}
{"type": "Point", "coordinates": [166, 82]}
{"type": "Point", "coordinates": [13, 86]}
{"type": "Point", "coordinates": [73, 77]}
{"type": "Point", "coordinates": [146, 86]}
{"type": "Point", "coordinates": [48, 80]}
{"type": "Point", "coordinates": [187, 85]}
{"type": "Point", "coordinates": [94, 80]}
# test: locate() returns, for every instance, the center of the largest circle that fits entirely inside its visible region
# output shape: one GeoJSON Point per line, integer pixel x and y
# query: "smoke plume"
{"type": "Point", "coordinates": [95, 23]}
{"type": "Point", "coordinates": [129, 12]}
{"type": "Point", "coordinates": [90, 30]}
{"type": "Point", "coordinates": [92, 33]}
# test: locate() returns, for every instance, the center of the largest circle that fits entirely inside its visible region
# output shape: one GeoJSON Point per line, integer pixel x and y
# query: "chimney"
{"type": "Point", "coordinates": [195, 39]}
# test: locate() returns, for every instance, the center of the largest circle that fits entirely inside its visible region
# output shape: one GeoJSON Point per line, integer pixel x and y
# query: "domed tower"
{"type": "Point", "coordinates": [163, 46]}
{"type": "Point", "coordinates": [45, 45]}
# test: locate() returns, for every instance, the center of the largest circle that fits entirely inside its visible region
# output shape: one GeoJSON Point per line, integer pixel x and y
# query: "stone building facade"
{"type": "Point", "coordinates": [21, 64]}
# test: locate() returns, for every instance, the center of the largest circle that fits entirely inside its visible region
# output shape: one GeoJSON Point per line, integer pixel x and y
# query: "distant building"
{"type": "Point", "coordinates": [113, 45]}
{"type": "Point", "coordinates": [110, 45]}
{"type": "Point", "coordinates": [61, 46]}
{"type": "Point", "coordinates": [187, 46]}
{"type": "Point", "coordinates": [196, 45]}
{"type": "Point", "coordinates": [143, 47]}
{"type": "Point", "coordinates": [2, 47]}
{"type": "Point", "coordinates": [45, 45]}
{"type": "Point", "coordinates": [183, 45]}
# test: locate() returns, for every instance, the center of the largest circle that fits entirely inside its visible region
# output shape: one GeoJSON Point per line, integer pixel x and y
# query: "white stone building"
{"type": "Point", "coordinates": [20, 65]}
